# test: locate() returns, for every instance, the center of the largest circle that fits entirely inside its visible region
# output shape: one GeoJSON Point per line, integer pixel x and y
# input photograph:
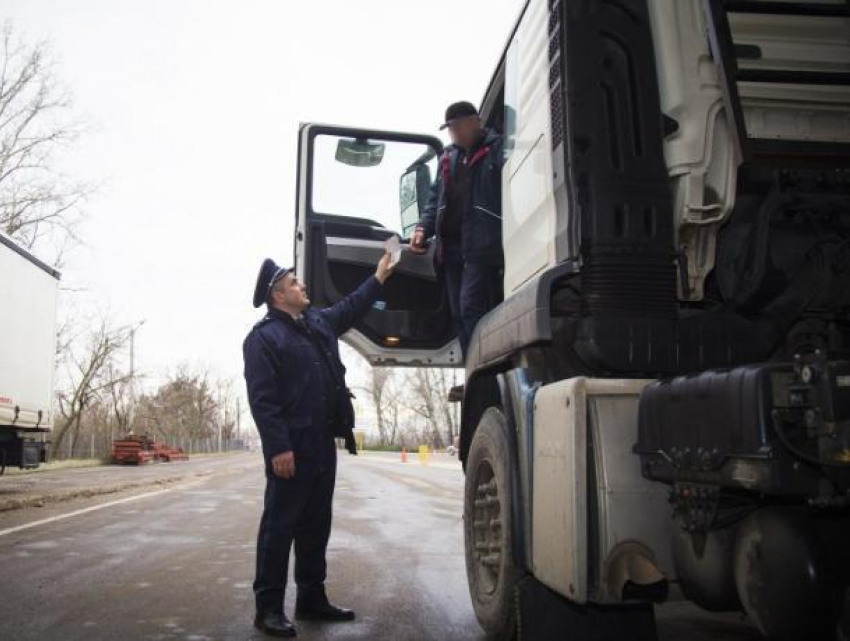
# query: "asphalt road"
{"type": "Point", "coordinates": [176, 560]}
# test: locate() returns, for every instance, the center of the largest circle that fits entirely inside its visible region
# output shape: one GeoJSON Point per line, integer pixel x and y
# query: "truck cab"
{"type": "Point", "coordinates": [660, 408]}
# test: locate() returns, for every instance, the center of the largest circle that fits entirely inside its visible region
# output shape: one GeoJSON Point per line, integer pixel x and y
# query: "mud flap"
{"type": "Point", "coordinates": [543, 615]}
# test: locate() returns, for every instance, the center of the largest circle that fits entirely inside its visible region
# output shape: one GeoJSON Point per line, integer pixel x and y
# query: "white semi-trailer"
{"type": "Point", "coordinates": [28, 292]}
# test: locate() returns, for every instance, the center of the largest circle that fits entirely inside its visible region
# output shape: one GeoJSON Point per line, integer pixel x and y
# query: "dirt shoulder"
{"type": "Point", "coordinates": [65, 483]}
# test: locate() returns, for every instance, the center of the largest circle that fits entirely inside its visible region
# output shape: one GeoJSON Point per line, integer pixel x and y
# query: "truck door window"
{"type": "Point", "coordinates": [361, 178]}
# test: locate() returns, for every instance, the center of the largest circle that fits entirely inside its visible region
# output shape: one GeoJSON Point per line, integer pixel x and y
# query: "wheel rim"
{"type": "Point", "coordinates": [487, 528]}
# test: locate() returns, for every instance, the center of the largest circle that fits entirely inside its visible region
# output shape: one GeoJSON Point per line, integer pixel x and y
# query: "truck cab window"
{"type": "Point", "coordinates": [380, 181]}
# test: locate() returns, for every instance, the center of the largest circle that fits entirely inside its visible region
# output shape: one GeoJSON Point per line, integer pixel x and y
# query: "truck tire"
{"type": "Point", "coordinates": [789, 582]}
{"type": "Point", "coordinates": [491, 569]}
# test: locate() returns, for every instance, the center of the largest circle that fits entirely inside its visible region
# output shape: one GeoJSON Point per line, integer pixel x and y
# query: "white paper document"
{"type": "Point", "coordinates": [394, 248]}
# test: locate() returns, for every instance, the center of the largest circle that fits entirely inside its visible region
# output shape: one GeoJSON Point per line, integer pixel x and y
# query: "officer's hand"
{"type": "Point", "coordinates": [417, 243]}
{"type": "Point", "coordinates": [384, 269]}
{"type": "Point", "coordinates": [284, 465]}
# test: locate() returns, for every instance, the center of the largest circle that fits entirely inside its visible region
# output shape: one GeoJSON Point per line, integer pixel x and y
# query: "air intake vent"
{"type": "Point", "coordinates": [556, 107]}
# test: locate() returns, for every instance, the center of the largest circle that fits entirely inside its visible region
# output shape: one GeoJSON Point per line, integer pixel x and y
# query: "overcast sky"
{"type": "Point", "coordinates": [194, 107]}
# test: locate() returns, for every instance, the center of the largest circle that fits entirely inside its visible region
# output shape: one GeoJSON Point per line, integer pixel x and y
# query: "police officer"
{"type": "Point", "coordinates": [464, 213]}
{"type": "Point", "coordinates": [299, 401]}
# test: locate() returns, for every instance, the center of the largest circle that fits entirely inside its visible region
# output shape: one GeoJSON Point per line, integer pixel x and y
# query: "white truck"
{"type": "Point", "coordinates": [660, 408]}
{"type": "Point", "coordinates": [28, 293]}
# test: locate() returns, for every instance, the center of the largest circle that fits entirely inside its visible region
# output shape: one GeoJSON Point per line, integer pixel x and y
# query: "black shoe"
{"type": "Point", "coordinates": [274, 624]}
{"type": "Point", "coordinates": [456, 394]}
{"type": "Point", "coordinates": [322, 612]}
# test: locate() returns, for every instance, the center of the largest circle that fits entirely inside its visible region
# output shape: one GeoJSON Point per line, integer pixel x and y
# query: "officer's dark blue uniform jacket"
{"type": "Point", "coordinates": [298, 400]}
{"type": "Point", "coordinates": [481, 223]}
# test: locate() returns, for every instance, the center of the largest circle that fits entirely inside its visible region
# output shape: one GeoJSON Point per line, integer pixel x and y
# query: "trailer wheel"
{"type": "Point", "coordinates": [491, 569]}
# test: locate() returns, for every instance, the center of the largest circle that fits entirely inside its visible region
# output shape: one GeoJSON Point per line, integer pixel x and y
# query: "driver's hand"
{"type": "Point", "coordinates": [283, 465]}
{"type": "Point", "coordinates": [417, 243]}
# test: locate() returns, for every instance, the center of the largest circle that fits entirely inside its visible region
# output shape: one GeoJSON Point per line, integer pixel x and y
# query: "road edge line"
{"type": "Point", "coordinates": [92, 508]}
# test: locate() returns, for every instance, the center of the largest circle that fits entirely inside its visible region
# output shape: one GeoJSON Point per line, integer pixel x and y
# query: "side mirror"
{"type": "Point", "coordinates": [413, 196]}
{"type": "Point", "coordinates": [359, 152]}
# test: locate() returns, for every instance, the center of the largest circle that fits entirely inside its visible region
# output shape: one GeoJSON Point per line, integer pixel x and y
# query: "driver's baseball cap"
{"type": "Point", "coordinates": [458, 110]}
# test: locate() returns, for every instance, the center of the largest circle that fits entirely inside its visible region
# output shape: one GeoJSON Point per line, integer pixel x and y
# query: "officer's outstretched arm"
{"type": "Point", "coordinates": [264, 397]}
{"type": "Point", "coordinates": [350, 309]}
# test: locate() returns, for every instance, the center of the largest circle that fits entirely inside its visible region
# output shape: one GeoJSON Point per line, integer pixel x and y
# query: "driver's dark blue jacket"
{"type": "Point", "coordinates": [481, 223]}
{"type": "Point", "coordinates": [293, 387]}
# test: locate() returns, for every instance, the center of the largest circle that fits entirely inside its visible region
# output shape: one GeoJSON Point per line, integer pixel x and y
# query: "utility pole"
{"type": "Point", "coordinates": [239, 418]}
{"type": "Point", "coordinates": [220, 420]}
{"type": "Point", "coordinates": [132, 374]}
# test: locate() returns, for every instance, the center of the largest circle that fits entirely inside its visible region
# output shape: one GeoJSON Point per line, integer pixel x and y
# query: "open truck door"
{"type": "Point", "coordinates": [356, 189]}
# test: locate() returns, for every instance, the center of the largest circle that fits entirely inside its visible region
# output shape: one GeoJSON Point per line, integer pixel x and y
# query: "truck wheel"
{"type": "Point", "coordinates": [788, 580]}
{"type": "Point", "coordinates": [491, 570]}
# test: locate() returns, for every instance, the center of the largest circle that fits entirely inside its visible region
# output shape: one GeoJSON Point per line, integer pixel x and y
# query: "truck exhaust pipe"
{"type": "Point", "coordinates": [632, 574]}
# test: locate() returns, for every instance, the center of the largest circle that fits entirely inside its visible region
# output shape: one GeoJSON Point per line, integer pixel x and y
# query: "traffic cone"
{"type": "Point", "coordinates": [403, 454]}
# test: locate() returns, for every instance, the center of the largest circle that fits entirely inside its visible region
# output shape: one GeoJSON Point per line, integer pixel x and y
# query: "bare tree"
{"type": "Point", "coordinates": [422, 382]}
{"type": "Point", "coordinates": [90, 374]}
{"type": "Point", "coordinates": [188, 409]}
{"type": "Point", "coordinates": [225, 422]}
{"type": "Point", "coordinates": [36, 199]}
{"type": "Point", "coordinates": [204, 407]}
{"type": "Point", "coordinates": [378, 388]}
{"type": "Point", "coordinates": [120, 400]}
{"type": "Point", "coordinates": [442, 381]}
{"type": "Point", "coordinates": [394, 397]}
